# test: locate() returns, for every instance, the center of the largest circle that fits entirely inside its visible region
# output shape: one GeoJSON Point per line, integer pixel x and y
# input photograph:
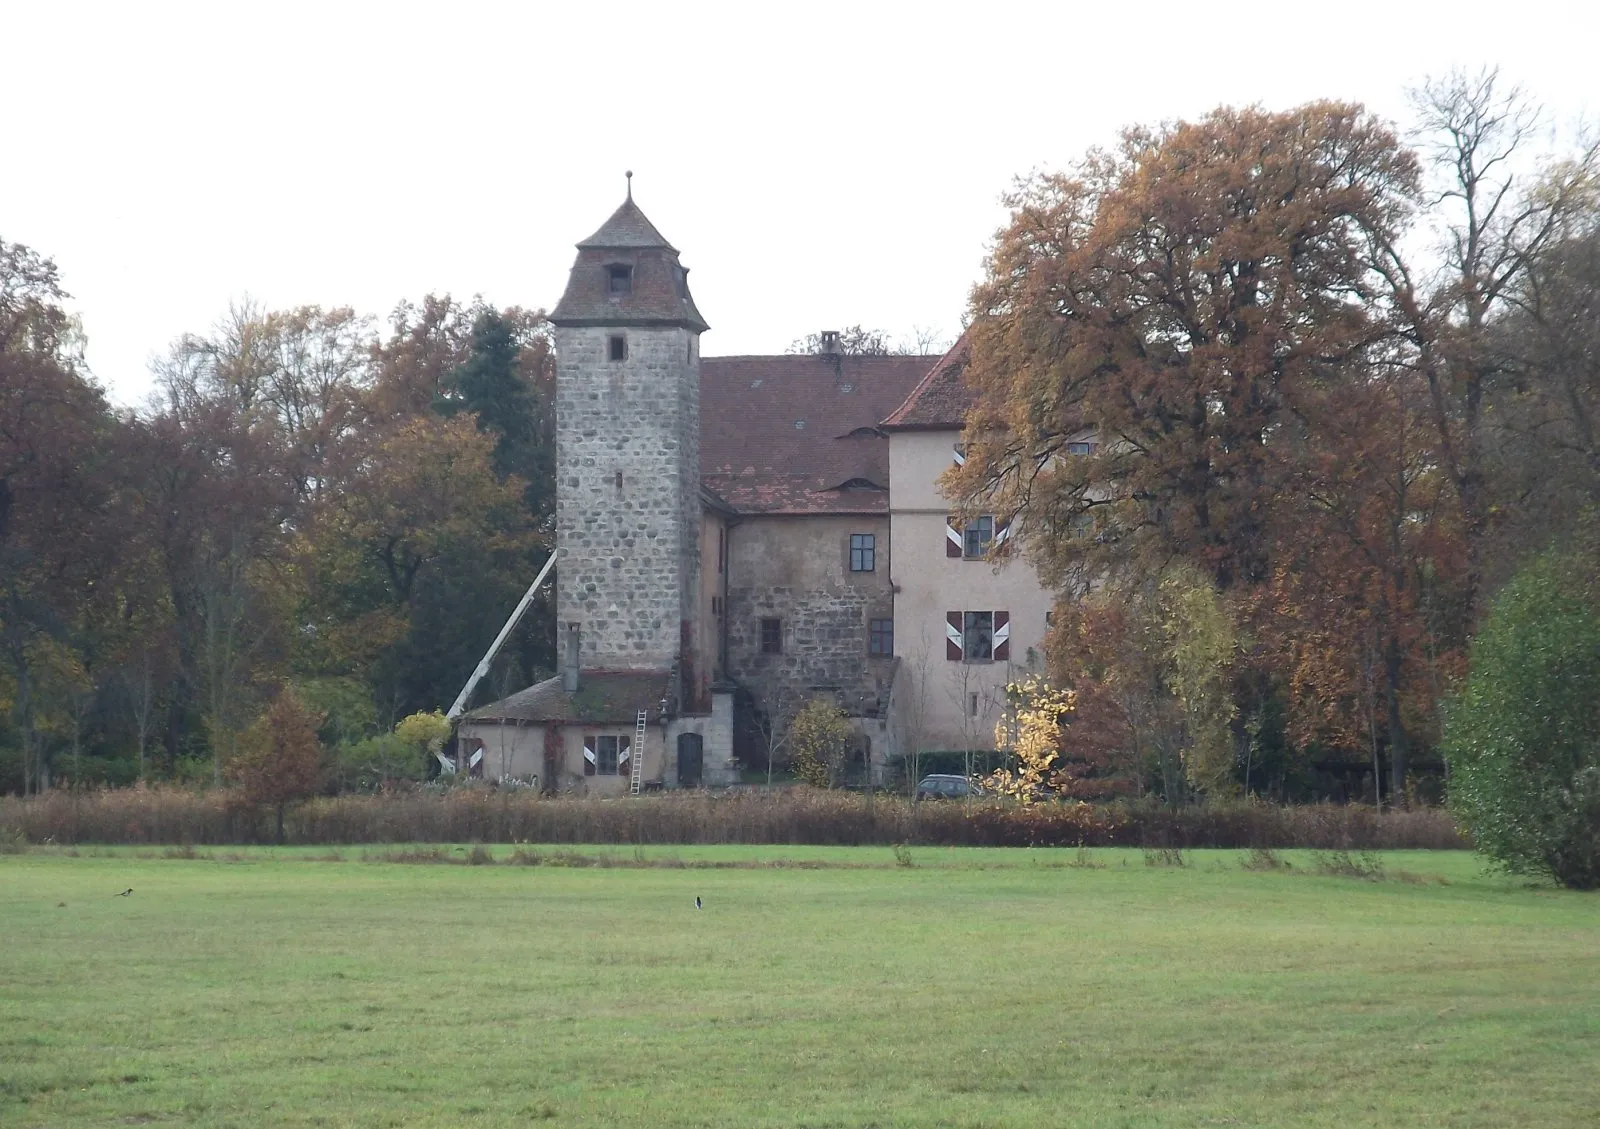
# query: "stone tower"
{"type": "Point", "coordinates": [628, 507]}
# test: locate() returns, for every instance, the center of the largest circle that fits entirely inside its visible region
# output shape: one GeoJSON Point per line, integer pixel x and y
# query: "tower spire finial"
{"type": "Point", "coordinates": [629, 175]}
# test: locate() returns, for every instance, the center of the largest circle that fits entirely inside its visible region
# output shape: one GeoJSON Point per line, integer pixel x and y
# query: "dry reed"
{"type": "Point", "coordinates": [144, 816]}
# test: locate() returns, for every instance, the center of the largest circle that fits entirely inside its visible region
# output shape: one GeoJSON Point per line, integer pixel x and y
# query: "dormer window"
{"type": "Point", "coordinates": [619, 280]}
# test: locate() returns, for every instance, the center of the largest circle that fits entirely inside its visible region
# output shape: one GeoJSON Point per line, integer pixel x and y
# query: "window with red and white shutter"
{"type": "Point", "coordinates": [974, 636]}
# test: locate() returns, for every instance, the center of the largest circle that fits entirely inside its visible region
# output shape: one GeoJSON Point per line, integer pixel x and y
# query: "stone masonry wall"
{"type": "Point", "coordinates": [691, 511]}
{"type": "Point", "coordinates": [796, 569]}
{"type": "Point", "coordinates": [627, 566]}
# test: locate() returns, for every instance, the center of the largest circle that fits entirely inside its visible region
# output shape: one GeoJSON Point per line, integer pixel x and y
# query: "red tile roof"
{"type": "Point", "coordinates": [798, 434]}
{"type": "Point", "coordinates": [941, 399]}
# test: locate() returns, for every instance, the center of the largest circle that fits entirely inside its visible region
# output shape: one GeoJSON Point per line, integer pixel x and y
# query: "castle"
{"type": "Point", "coordinates": [739, 535]}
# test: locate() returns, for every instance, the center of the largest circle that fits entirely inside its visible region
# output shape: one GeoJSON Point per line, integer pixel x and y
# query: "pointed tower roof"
{"type": "Point", "coordinates": [627, 227]}
{"type": "Point", "coordinates": [653, 288]}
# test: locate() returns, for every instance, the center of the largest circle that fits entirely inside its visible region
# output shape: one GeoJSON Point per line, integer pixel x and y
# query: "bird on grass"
{"type": "Point", "coordinates": [124, 893]}
{"type": "Point", "coordinates": [697, 901]}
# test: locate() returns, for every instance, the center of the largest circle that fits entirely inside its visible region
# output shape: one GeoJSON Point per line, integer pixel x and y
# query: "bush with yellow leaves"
{"type": "Point", "coordinates": [1032, 734]}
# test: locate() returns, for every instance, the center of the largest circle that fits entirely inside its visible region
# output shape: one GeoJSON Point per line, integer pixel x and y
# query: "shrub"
{"type": "Point", "coordinates": [819, 740]}
{"type": "Point", "coordinates": [376, 761]}
{"type": "Point", "coordinates": [1523, 738]}
{"type": "Point", "coordinates": [1264, 858]}
{"type": "Point", "coordinates": [1341, 864]}
{"type": "Point", "coordinates": [280, 759]}
{"type": "Point", "coordinates": [424, 733]}
{"type": "Point", "coordinates": [1033, 734]}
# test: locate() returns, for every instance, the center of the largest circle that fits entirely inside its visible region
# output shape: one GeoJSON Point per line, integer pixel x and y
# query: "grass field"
{"type": "Point", "coordinates": [973, 988]}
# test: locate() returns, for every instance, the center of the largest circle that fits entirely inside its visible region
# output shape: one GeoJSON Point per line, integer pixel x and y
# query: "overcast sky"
{"type": "Point", "coordinates": [817, 164]}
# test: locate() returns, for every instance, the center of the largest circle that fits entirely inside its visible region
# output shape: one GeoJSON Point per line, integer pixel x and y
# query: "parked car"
{"type": "Point", "coordinates": [943, 786]}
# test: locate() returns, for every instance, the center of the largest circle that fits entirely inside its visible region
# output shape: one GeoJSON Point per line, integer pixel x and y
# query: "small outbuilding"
{"type": "Point", "coordinates": [584, 740]}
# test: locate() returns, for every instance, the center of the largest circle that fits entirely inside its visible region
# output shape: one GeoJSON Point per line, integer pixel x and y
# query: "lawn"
{"type": "Point", "coordinates": [973, 988]}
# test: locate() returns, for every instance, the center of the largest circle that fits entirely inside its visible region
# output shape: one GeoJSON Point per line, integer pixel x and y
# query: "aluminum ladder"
{"type": "Point", "coordinates": [636, 756]}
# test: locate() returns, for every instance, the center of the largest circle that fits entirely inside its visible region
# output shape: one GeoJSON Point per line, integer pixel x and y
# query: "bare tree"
{"type": "Point", "coordinates": [139, 682]}
{"type": "Point", "coordinates": [1501, 208]}
{"type": "Point", "coordinates": [913, 680]}
{"type": "Point", "coordinates": [774, 728]}
{"type": "Point", "coordinates": [851, 341]}
{"type": "Point", "coordinates": [224, 607]}
{"type": "Point", "coordinates": [858, 341]}
{"type": "Point", "coordinates": [926, 341]}
{"type": "Point", "coordinates": [980, 703]}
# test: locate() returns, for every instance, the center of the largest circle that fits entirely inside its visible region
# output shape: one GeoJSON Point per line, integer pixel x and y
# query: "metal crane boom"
{"type": "Point", "coordinates": [499, 641]}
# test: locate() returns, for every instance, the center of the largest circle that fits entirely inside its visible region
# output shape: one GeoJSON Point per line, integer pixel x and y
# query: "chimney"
{"type": "Point", "coordinates": [830, 342]}
{"type": "Point", "coordinates": [569, 674]}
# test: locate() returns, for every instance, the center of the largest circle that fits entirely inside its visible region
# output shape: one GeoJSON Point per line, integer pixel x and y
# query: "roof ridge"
{"type": "Point", "coordinates": [869, 357]}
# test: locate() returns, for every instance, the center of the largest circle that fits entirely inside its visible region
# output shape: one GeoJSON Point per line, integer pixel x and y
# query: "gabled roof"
{"type": "Point", "coordinates": [941, 399]}
{"type": "Point", "coordinates": [604, 697]}
{"type": "Point", "coordinates": [798, 434]}
{"type": "Point", "coordinates": [627, 227]}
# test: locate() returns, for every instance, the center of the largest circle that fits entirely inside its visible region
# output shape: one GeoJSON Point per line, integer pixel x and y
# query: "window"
{"type": "Point", "coordinates": [722, 548]}
{"type": "Point", "coordinates": [972, 705]}
{"type": "Point", "coordinates": [772, 636]}
{"type": "Point", "coordinates": [863, 552]}
{"type": "Point", "coordinates": [976, 537]}
{"type": "Point", "coordinates": [977, 644]}
{"type": "Point", "coordinates": [1080, 448]}
{"type": "Point", "coordinates": [977, 637]}
{"type": "Point", "coordinates": [880, 637]}
{"type": "Point", "coordinates": [618, 347]}
{"type": "Point", "coordinates": [975, 540]}
{"type": "Point", "coordinates": [606, 756]}
{"type": "Point", "coordinates": [619, 281]}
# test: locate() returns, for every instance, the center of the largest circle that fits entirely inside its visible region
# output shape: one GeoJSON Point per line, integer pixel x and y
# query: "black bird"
{"type": "Point", "coordinates": [124, 893]}
{"type": "Point", "coordinates": [697, 901]}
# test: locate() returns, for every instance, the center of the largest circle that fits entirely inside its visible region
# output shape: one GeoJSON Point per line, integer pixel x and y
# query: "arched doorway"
{"type": "Point", "coordinates": [691, 760]}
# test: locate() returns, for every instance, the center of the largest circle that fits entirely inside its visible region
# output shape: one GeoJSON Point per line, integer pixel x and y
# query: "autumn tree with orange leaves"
{"type": "Point", "coordinates": [1207, 304]}
{"type": "Point", "coordinates": [279, 762]}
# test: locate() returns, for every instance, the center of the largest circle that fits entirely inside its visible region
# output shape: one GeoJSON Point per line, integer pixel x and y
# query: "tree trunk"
{"type": "Point", "coordinates": [1397, 730]}
{"type": "Point", "coordinates": [1370, 693]}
